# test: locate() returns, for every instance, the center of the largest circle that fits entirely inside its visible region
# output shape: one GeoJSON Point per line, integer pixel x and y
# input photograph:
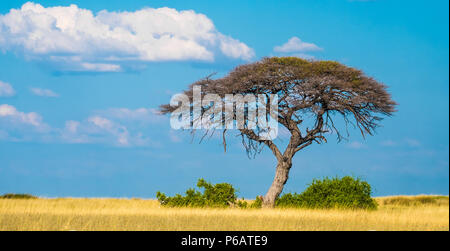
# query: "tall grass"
{"type": "Point", "coordinates": [414, 200]}
{"type": "Point", "coordinates": [135, 214]}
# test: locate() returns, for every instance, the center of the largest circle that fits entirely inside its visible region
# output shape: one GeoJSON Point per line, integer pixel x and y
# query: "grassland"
{"type": "Point", "coordinates": [394, 213]}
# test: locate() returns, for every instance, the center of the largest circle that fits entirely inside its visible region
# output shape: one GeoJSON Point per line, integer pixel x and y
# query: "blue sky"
{"type": "Point", "coordinates": [77, 103]}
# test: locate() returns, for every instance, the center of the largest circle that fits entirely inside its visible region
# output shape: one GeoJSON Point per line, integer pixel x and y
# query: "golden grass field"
{"type": "Point", "coordinates": [394, 213]}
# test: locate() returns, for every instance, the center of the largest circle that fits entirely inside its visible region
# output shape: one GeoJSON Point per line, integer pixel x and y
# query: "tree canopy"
{"type": "Point", "coordinates": [311, 96]}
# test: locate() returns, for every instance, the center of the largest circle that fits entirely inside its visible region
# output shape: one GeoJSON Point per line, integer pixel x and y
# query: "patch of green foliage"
{"type": "Point", "coordinates": [346, 192]}
{"type": "Point", "coordinates": [17, 196]}
{"type": "Point", "coordinates": [219, 195]}
{"type": "Point", "coordinates": [257, 203]}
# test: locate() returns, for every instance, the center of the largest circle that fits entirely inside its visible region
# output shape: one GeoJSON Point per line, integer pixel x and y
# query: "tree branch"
{"type": "Point", "coordinates": [252, 135]}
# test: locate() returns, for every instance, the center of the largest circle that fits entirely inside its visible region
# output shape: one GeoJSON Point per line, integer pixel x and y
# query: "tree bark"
{"type": "Point", "coordinates": [281, 177]}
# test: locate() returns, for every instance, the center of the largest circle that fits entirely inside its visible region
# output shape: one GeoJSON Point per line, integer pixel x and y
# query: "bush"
{"type": "Point", "coordinates": [257, 203]}
{"type": "Point", "coordinates": [219, 195]}
{"type": "Point", "coordinates": [346, 192]}
{"type": "Point", "coordinates": [17, 196]}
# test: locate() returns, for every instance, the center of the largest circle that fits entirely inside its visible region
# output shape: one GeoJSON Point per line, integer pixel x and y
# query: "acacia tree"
{"type": "Point", "coordinates": [312, 97]}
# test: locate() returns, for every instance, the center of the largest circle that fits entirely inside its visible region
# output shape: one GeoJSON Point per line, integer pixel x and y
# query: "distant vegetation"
{"type": "Point", "coordinates": [419, 200]}
{"type": "Point", "coordinates": [17, 196]}
{"type": "Point", "coordinates": [346, 192]}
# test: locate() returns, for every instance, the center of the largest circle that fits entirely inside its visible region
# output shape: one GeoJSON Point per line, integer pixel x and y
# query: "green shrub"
{"type": "Point", "coordinates": [346, 192]}
{"type": "Point", "coordinates": [257, 203]}
{"type": "Point", "coordinates": [219, 195]}
{"type": "Point", "coordinates": [17, 196]}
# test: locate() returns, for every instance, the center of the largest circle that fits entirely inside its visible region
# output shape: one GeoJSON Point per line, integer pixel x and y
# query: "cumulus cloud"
{"type": "Point", "coordinates": [126, 125]}
{"type": "Point", "coordinates": [9, 112]}
{"type": "Point", "coordinates": [112, 128]}
{"type": "Point", "coordinates": [77, 39]}
{"type": "Point", "coordinates": [6, 90]}
{"type": "Point", "coordinates": [44, 92]}
{"type": "Point", "coordinates": [120, 127]}
{"type": "Point", "coordinates": [16, 125]}
{"type": "Point", "coordinates": [295, 44]}
{"type": "Point", "coordinates": [98, 129]}
{"type": "Point", "coordinates": [116, 126]}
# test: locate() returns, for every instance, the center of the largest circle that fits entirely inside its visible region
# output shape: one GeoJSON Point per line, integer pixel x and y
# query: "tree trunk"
{"type": "Point", "coordinates": [281, 177]}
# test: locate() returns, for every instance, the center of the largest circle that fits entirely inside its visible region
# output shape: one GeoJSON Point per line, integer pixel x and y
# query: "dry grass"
{"type": "Point", "coordinates": [419, 213]}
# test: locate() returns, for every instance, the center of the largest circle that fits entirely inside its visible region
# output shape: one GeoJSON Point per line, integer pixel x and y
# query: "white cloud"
{"type": "Point", "coordinates": [16, 125]}
{"type": "Point", "coordinates": [76, 39]}
{"type": "Point", "coordinates": [102, 123]}
{"type": "Point", "coordinates": [97, 129]}
{"type": "Point", "coordinates": [76, 133]}
{"type": "Point", "coordinates": [116, 126]}
{"type": "Point", "coordinates": [100, 67]}
{"type": "Point", "coordinates": [119, 127]}
{"type": "Point", "coordinates": [119, 131]}
{"type": "Point", "coordinates": [72, 126]}
{"type": "Point", "coordinates": [120, 122]}
{"type": "Point", "coordinates": [6, 90]}
{"type": "Point", "coordinates": [234, 48]}
{"type": "Point", "coordinates": [295, 44]}
{"type": "Point", "coordinates": [44, 92]}
{"type": "Point", "coordinates": [13, 115]}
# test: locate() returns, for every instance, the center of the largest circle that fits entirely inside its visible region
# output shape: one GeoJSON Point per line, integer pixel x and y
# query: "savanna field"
{"type": "Point", "coordinates": [412, 213]}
